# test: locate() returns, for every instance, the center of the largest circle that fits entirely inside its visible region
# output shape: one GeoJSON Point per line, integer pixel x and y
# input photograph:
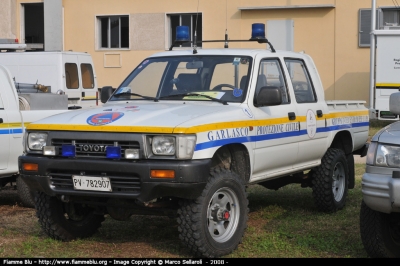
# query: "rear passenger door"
{"type": "Point", "coordinates": [311, 114]}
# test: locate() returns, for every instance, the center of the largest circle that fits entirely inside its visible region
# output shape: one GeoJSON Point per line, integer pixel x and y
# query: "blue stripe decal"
{"type": "Point", "coordinates": [11, 131]}
{"type": "Point", "coordinates": [217, 143]}
{"type": "Point", "coordinates": [16, 130]}
{"type": "Point", "coordinates": [4, 131]}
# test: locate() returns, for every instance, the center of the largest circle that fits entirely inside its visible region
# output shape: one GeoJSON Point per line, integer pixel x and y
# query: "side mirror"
{"type": "Point", "coordinates": [394, 103]}
{"type": "Point", "coordinates": [268, 96]}
{"type": "Point", "coordinates": [105, 93]}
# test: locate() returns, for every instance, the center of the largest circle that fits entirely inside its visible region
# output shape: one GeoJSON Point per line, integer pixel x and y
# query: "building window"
{"type": "Point", "coordinates": [193, 21]}
{"type": "Point", "coordinates": [387, 18]}
{"type": "Point", "coordinates": [114, 32]}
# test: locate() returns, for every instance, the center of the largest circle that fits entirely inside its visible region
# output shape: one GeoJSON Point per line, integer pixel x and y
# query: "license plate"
{"type": "Point", "coordinates": [91, 183]}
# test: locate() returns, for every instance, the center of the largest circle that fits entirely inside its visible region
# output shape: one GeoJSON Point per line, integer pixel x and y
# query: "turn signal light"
{"type": "Point", "coordinates": [30, 167]}
{"type": "Point", "coordinates": [162, 174]}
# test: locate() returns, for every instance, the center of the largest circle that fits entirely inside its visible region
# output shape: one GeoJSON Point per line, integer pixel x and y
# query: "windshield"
{"type": "Point", "coordinates": [221, 78]}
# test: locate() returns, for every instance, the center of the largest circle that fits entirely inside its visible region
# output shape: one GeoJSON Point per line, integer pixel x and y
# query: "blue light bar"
{"type": "Point", "coordinates": [182, 33]}
{"type": "Point", "coordinates": [258, 31]}
{"type": "Point", "coordinates": [68, 150]}
{"type": "Point", "coordinates": [113, 152]}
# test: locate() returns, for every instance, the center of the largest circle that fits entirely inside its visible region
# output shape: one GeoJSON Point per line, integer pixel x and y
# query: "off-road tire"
{"type": "Point", "coordinates": [224, 194]}
{"type": "Point", "coordinates": [380, 233]}
{"type": "Point", "coordinates": [330, 181]}
{"type": "Point", "coordinates": [56, 223]}
{"type": "Point", "coordinates": [352, 172]}
{"type": "Point", "coordinates": [26, 196]}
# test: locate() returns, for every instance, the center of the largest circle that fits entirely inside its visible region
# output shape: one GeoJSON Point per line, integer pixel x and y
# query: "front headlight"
{"type": "Point", "coordinates": [36, 141]}
{"type": "Point", "coordinates": [180, 146]}
{"type": "Point", "coordinates": [163, 145]}
{"type": "Point", "coordinates": [387, 156]}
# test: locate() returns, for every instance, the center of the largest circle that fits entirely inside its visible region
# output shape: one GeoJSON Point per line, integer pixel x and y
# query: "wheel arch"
{"type": "Point", "coordinates": [344, 141]}
{"type": "Point", "coordinates": [234, 157]}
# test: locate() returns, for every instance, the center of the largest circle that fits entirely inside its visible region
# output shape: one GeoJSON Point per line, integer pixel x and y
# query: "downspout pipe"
{"type": "Point", "coordinates": [372, 59]}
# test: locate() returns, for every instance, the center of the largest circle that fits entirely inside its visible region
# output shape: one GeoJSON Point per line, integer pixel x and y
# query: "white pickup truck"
{"type": "Point", "coordinates": [12, 123]}
{"type": "Point", "coordinates": [184, 134]}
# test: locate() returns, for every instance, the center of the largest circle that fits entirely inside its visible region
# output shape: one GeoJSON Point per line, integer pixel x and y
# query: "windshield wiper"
{"type": "Point", "coordinates": [135, 94]}
{"type": "Point", "coordinates": [194, 94]}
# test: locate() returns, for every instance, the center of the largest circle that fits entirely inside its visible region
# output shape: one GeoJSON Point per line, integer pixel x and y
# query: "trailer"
{"type": "Point", "coordinates": [387, 79]}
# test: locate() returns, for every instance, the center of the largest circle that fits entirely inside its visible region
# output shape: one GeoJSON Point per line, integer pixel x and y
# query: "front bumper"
{"type": "Point", "coordinates": [130, 180]}
{"type": "Point", "coordinates": [381, 189]}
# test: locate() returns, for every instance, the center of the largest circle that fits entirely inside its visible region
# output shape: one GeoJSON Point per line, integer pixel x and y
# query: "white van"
{"type": "Point", "coordinates": [66, 72]}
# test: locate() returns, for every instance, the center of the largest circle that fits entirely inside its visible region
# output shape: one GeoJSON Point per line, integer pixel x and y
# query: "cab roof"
{"type": "Point", "coordinates": [228, 51]}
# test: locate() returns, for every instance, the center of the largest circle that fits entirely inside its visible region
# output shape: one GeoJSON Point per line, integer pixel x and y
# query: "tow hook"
{"type": "Point", "coordinates": [65, 198]}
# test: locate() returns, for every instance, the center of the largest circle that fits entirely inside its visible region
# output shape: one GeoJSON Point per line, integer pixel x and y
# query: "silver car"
{"type": "Point", "coordinates": [380, 208]}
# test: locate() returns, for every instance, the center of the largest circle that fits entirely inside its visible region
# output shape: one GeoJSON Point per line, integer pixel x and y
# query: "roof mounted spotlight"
{"type": "Point", "coordinates": [258, 31]}
{"type": "Point", "coordinates": [258, 34]}
{"type": "Point", "coordinates": [182, 36]}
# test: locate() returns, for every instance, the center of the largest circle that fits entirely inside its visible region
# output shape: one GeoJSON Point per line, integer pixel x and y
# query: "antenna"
{"type": "Point", "coordinates": [195, 30]}
{"type": "Point", "coordinates": [226, 24]}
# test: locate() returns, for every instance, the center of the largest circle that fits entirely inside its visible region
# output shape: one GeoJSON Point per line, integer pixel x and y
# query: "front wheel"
{"type": "Point", "coordinates": [380, 233]}
{"type": "Point", "coordinates": [213, 225]}
{"type": "Point", "coordinates": [330, 181]}
{"type": "Point", "coordinates": [66, 221]}
{"type": "Point", "coordinates": [26, 196]}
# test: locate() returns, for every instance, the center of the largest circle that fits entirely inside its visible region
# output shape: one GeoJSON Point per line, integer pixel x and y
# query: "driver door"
{"type": "Point", "coordinates": [278, 128]}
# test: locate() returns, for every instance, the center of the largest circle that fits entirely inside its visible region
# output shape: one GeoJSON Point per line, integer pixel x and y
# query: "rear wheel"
{"type": "Point", "coordinates": [66, 221]}
{"type": "Point", "coordinates": [213, 225]}
{"type": "Point", "coordinates": [380, 233]}
{"type": "Point", "coordinates": [330, 181]}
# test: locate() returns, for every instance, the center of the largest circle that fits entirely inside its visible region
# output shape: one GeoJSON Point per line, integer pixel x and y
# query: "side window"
{"type": "Point", "coordinates": [71, 76]}
{"type": "Point", "coordinates": [87, 76]}
{"type": "Point", "coordinates": [270, 75]}
{"type": "Point", "coordinates": [302, 85]}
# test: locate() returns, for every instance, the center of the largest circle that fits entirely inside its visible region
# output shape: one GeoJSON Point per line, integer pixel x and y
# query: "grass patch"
{"type": "Point", "coordinates": [376, 125]}
{"type": "Point", "coordinates": [286, 224]}
{"type": "Point", "coordinates": [282, 224]}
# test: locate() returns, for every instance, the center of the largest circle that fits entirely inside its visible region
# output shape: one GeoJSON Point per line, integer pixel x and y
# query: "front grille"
{"type": "Point", "coordinates": [119, 182]}
{"type": "Point", "coordinates": [95, 148]}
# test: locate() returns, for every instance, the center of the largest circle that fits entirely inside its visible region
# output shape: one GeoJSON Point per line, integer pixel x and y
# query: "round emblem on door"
{"type": "Point", "coordinates": [311, 121]}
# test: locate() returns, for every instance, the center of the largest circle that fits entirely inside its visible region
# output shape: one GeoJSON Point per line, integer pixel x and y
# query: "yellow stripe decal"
{"type": "Point", "coordinates": [388, 85]}
{"type": "Point", "coordinates": [186, 130]}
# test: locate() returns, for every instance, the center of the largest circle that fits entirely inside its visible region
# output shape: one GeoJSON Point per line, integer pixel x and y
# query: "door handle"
{"type": "Point", "coordinates": [1, 120]}
{"type": "Point", "coordinates": [292, 116]}
{"type": "Point", "coordinates": [319, 113]}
